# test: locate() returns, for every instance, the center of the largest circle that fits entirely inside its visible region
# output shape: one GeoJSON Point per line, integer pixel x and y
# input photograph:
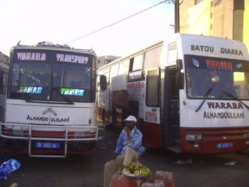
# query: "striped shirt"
{"type": "Point", "coordinates": [135, 142]}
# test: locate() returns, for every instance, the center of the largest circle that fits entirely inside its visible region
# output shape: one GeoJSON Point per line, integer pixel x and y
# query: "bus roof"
{"type": "Point", "coordinates": [197, 45]}
{"type": "Point", "coordinates": [52, 47]}
{"type": "Point", "coordinates": [133, 54]}
{"type": "Point", "coordinates": [211, 46]}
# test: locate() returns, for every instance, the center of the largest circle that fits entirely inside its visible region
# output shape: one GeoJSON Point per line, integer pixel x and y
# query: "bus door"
{"type": "Point", "coordinates": [151, 126]}
{"type": "Point", "coordinates": [170, 117]}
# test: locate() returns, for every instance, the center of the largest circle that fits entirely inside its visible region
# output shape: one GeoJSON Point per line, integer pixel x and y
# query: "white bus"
{"type": "Point", "coordinates": [4, 66]}
{"type": "Point", "coordinates": [50, 104]}
{"type": "Point", "coordinates": [190, 93]}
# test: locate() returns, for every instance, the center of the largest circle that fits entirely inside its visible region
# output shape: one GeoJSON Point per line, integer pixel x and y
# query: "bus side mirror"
{"type": "Point", "coordinates": [179, 74]}
{"type": "Point", "coordinates": [103, 83]}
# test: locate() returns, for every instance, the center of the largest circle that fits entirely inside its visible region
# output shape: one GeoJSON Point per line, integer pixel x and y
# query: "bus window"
{"type": "Point", "coordinates": [137, 63]}
{"type": "Point", "coordinates": [123, 67]}
{"type": "Point", "coordinates": [173, 87]}
{"type": "Point", "coordinates": [153, 57]}
{"type": "Point", "coordinates": [230, 83]}
{"type": "Point", "coordinates": [152, 88]}
{"type": "Point", "coordinates": [35, 74]}
{"type": "Point", "coordinates": [136, 67]}
{"type": "Point", "coordinates": [245, 86]}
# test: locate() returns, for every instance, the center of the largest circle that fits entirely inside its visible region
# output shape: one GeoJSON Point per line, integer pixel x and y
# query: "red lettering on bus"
{"type": "Point", "coordinates": [219, 64]}
{"type": "Point", "coordinates": [137, 85]}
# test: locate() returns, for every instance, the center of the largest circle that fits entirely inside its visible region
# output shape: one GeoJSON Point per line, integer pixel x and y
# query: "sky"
{"type": "Point", "coordinates": [71, 22]}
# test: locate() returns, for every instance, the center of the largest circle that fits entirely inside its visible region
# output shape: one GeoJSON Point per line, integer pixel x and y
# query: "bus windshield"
{"type": "Point", "coordinates": [216, 78]}
{"type": "Point", "coordinates": [49, 77]}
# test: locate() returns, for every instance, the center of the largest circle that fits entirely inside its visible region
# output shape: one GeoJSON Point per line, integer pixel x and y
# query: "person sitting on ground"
{"type": "Point", "coordinates": [129, 148]}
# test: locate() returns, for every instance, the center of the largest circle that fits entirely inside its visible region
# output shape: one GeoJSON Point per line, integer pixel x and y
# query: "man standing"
{"type": "Point", "coordinates": [128, 149]}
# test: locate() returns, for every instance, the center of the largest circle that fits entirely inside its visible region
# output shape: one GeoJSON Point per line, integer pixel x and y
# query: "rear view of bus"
{"type": "Point", "coordinates": [50, 105]}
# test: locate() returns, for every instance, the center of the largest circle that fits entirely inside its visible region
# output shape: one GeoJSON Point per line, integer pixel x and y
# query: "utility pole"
{"type": "Point", "coordinates": [177, 17]}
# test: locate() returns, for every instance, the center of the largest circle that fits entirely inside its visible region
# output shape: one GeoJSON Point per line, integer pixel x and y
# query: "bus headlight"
{"type": "Point", "coordinates": [79, 134]}
{"type": "Point", "coordinates": [190, 137]}
{"type": "Point", "coordinates": [193, 137]}
{"type": "Point", "coordinates": [17, 131]}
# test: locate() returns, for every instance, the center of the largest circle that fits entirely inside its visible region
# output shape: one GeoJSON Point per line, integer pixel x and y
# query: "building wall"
{"type": "Point", "coordinates": [246, 24]}
{"type": "Point", "coordinates": [200, 19]}
{"type": "Point", "coordinates": [184, 15]}
{"type": "Point", "coordinates": [222, 18]}
{"type": "Point", "coordinates": [4, 60]}
{"type": "Point", "coordinates": [238, 19]}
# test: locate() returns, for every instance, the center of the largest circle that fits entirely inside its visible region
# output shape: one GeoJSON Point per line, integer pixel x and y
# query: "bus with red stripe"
{"type": "Point", "coordinates": [189, 92]}
{"type": "Point", "coordinates": [50, 103]}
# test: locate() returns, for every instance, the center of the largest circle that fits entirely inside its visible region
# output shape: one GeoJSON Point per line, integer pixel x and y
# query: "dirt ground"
{"type": "Point", "coordinates": [223, 170]}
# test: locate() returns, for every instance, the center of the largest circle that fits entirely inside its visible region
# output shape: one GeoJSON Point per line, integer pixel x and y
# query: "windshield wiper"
{"type": "Point", "coordinates": [230, 95]}
{"type": "Point", "coordinates": [62, 96]}
{"type": "Point", "coordinates": [207, 93]}
{"type": "Point", "coordinates": [27, 97]}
